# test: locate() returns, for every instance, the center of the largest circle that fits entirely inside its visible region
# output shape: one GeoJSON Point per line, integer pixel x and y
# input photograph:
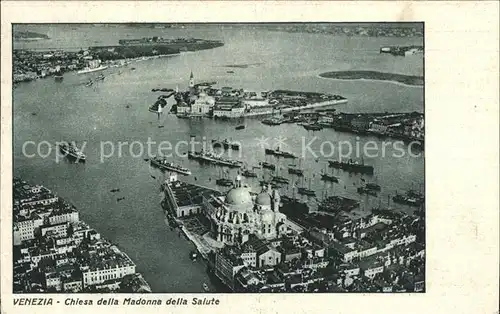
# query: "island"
{"type": "Point", "coordinates": [30, 65]}
{"type": "Point", "coordinates": [23, 36]}
{"type": "Point", "coordinates": [412, 80]}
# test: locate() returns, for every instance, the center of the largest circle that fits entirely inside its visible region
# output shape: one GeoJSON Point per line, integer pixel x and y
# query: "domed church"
{"type": "Point", "coordinates": [239, 214]}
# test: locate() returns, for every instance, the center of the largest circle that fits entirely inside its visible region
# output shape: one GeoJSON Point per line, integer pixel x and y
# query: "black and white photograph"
{"type": "Point", "coordinates": [218, 158]}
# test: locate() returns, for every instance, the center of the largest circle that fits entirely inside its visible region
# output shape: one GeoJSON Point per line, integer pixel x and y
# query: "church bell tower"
{"type": "Point", "coordinates": [191, 80]}
{"type": "Point", "coordinates": [191, 84]}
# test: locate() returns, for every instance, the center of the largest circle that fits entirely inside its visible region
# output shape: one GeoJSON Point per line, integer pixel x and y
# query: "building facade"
{"type": "Point", "coordinates": [238, 215]}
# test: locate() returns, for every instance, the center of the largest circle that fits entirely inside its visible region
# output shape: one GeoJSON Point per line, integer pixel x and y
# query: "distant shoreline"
{"type": "Point", "coordinates": [29, 36]}
{"type": "Point", "coordinates": [409, 80]}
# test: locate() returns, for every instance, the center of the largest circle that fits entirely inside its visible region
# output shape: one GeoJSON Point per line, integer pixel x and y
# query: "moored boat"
{"type": "Point", "coordinates": [249, 173]}
{"type": "Point", "coordinates": [164, 164]}
{"type": "Point", "coordinates": [280, 179]}
{"type": "Point", "coordinates": [313, 127]}
{"type": "Point", "coordinates": [268, 165]}
{"type": "Point", "coordinates": [306, 191]}
{"type": "Point", "coordinates": [351, 166]}
{"type": "Point", "coordinates": [214, 159]}
{"type": "Point", "coordinates": [373, 186]}
{"type": "Point", "coordinates": [272, 121]}
{"type": "Point", "coordinates": [279, 153]}
{"type": "Point", "coordinates": [295, 170]}
{"type": "Point", "coordinates": [226, 144]}
{"type": "Point", "coordinates": [411, 198]}
{"type": "Point", "coordinates": [329, 177]}
{"type": "Point", "coordinates": [90, 69]}
{"type": "Point", "coordinates": [224, 182]}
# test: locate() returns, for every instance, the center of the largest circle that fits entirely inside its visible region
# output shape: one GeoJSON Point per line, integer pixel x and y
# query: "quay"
{"type": "Point", "coordinates": [183, 202]}
{"type": "Point", "coordinates": [292, 109]}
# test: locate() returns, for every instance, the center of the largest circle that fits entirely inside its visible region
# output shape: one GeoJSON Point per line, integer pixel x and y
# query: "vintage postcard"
{"type": "Point", "coordinates": [198, 164]}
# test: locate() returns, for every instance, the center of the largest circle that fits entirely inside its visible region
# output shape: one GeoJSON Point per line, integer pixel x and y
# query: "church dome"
{"type": "Point", "coordinates": [238, 196]}
{"type": "Point", "coordinates": [263, 199]}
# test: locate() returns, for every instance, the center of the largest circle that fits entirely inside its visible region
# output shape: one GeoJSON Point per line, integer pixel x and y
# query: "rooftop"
{"type": "Point", "coordinates": [187, 194]}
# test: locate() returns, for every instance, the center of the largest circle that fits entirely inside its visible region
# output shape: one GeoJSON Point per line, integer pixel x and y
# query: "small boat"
{"type": "Point", "coordinates": [89, 83]}
{"type": "Point", "coordinates": [193, 255]}
{"type": "Point", "coordinates": [295, 170]}
{"type": "Point", "coordinates": [224, 182]}
{"type": "Point", "coordinates": [329, 177]}
{"type": "Point", "coordinates": [268, 165]}
{"type": "Point", "coordinates": [240, 127]}
{"type": "Point", "coordinates": [280, 179]}
{"type": "Point", "coordinates": [411, 198]}
{"type": "Point", "coordinates": [279, 153]}
{"type": "Point", "coordinates": [373, 186]}
{"type": "Point", "coordinates": [205, 287]}
{"type": "Point", "coordinates": [249, 174]}
{"type": "Point", "coordinates": [306, 191]}
{"type": "Point", "coordinates": [114, 190]}
{"type": "Point", "coordinates": [272, 121]}
{"type": "Point", "coordinates": [231, 72]}
{"type": "Point", "coordinates": [226, 144]}
{"type": "Point", "coordinates": [313, 127]}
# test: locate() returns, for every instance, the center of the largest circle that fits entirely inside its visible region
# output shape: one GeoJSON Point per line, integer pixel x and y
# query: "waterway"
{"type": "Point", "coordinates": [45, 110]}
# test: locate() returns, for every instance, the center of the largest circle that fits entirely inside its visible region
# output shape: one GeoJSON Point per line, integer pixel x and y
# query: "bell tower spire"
{"type": "Point", "coordinates": [191, 80]}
